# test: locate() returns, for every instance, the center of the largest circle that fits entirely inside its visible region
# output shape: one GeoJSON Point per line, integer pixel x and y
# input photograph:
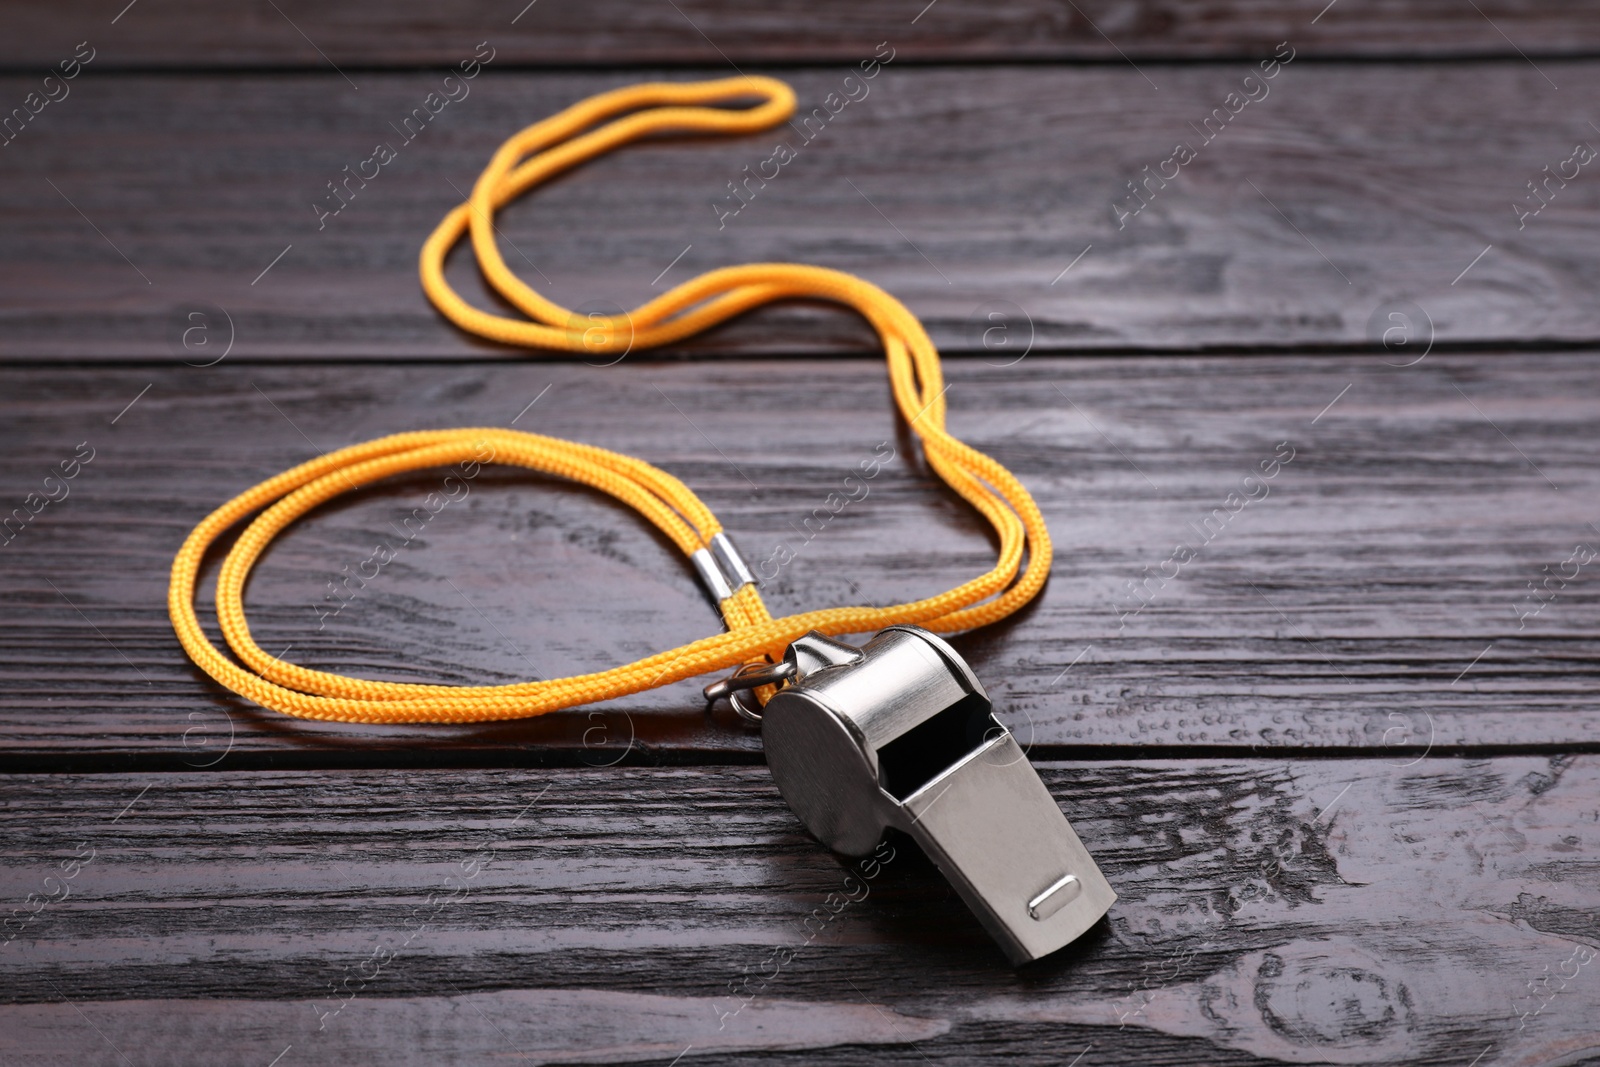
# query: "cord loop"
{"type": "Point", "coordinates": [534, 155]}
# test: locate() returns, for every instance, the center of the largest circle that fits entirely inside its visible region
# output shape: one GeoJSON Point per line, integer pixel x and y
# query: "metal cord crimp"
{"type": "Point", "coordinates": [711, 575]}
{"type": "Point", "coordinates": [732, 564]}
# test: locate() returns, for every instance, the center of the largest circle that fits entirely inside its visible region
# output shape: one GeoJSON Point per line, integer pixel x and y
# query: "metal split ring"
{"type": "Point", "coordinates": [737, 686]}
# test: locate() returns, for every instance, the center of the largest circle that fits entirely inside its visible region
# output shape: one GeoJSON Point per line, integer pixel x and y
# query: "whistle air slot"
{"type": "Point", "coordinates": [923, 752]}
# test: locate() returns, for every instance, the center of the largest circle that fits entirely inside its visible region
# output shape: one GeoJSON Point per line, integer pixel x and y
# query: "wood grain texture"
{"type": "Point", "coordinates": [1324, 617]}
{"type": "Point", "coordinates": [299, 33]}
{"type": "Point", "coordinates": [1374, 592]}
{"type": "Point", "coordinates": [971, 193]}
{"type": "Point", "coordinates": [1344, 911]}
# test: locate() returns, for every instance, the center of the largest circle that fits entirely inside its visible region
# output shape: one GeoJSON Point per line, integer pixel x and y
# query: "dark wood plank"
{"type": "Point", "coordinates": [191, 33]}
{"type": "Point", "coordinates": [1376, 595]}
{"type": "Point", "coordinates": [1281, 912]}
{"type": "Point", "coordinates": [968, 192]}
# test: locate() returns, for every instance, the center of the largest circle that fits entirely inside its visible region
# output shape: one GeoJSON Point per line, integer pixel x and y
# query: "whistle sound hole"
{"type": "Point", "coordinates": [922, 753]}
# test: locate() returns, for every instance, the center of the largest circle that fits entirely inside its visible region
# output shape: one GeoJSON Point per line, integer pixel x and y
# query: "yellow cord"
{"type": "Point", "coordinates": [544, 149]}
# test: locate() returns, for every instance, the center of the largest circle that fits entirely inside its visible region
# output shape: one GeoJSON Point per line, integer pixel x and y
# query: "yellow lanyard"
{"type": "Point", "coordinates": [546, 148]}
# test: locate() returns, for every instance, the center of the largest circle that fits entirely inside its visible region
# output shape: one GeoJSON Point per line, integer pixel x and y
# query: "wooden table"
{"type": "Point", "coordinates": [1342, 768]}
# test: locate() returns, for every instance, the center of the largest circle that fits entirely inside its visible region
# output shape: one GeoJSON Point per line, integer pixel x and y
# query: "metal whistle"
{"type": "Point", "coordinates": [899, 733]}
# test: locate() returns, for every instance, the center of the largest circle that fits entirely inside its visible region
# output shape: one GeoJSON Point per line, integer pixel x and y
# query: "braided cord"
{"type": "Point", "coordinates": [581, 132]}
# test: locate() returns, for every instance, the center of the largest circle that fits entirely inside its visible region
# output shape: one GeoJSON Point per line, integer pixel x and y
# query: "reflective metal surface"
{"type": "Point", "coordinates": [899, 733]}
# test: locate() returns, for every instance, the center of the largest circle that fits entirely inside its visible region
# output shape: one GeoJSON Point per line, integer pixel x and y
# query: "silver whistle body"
{"type": "Point", "coordinates": [899, 733]}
